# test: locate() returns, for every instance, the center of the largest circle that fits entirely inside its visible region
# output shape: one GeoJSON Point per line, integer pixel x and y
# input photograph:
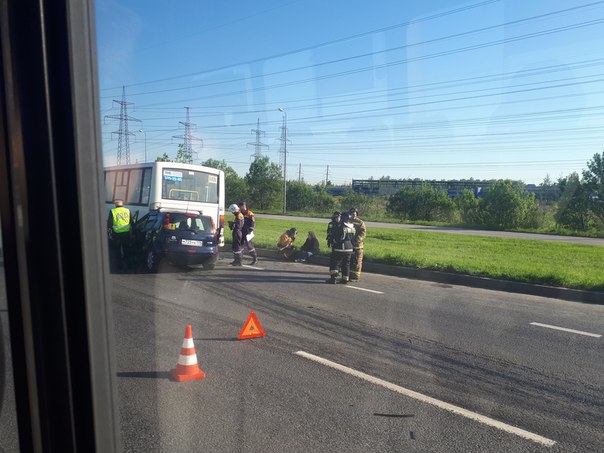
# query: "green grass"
{"type": "Point", "coordinates": [525, 260]}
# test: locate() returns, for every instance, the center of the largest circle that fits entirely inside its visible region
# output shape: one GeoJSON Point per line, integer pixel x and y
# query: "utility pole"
{"type": "Point", "coordinates": [300, 172]}
{"type": "Point", "coordinates": [327, 175]}
{"type": "Point", "coordinates": [187, 147]}
{"type": "Point", "coordinates": [284, 145]}
{"type": "Point", "coordinates": [257, 145]}
{"type": "Point", "coordinates": [123, 142]}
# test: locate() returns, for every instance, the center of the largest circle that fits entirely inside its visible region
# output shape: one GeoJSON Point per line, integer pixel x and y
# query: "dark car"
{"type": "Point", "coordinates": [182, 238]}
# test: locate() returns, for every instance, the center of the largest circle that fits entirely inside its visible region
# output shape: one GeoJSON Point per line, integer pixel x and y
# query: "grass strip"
{"type": "Point", "coordinates": [524, 260]}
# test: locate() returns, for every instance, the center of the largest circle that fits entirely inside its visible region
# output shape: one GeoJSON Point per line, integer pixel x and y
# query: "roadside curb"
{"type": "Point", "coordinates": [573, 295]}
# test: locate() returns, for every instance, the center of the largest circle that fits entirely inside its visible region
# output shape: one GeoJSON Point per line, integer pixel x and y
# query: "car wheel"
{"type": "Point", "coordinates": [152, 262]}
{"type": "Point", "coordinates": [209, 267]}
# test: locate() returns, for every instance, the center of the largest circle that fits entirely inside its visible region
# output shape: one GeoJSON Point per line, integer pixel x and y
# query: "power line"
{"type": "Point", "coordinates": [316, 46]}
{"type": "Point", "coordinates": [397, 62]}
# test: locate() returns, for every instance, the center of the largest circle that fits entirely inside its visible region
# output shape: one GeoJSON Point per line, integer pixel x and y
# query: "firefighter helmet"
{"type": "Point", "coordinates": [234, 208]}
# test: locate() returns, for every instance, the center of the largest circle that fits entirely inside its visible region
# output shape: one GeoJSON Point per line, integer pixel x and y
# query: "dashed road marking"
{"type": "Point", "coordinates": [564, 329]}
{"type": "Point", "coordinates": [252, 267]}
{"type": "Point", "coordinates": [364, 289]}
{"type": "Point", "coordinates": [434, 402]}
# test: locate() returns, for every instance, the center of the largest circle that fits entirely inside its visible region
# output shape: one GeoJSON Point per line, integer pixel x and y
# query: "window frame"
{"type": "Point", "coordinates": [57, 280]}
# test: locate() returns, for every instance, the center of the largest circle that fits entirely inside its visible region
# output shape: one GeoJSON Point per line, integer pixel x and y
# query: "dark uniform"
{"type": "Point", "coordinates": [335, 219]}
{"type": "Point", "coordinates": [360, 232]}
{"type": "Point", "coordinates": [341, 250]}
{"type": "Point", "coordinates": [118, 226]}
{"type": "Point", "coordinates": [236, 227]}
{"type": "Point", "coordinates": [249, 223]}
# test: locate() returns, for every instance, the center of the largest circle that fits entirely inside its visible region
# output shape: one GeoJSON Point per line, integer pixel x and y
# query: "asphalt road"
{"type": "Point", "coordinates": [477, 350]}
{"type": "Point", "coordinates": [453, 230]}
{"type": "Point", "coordinates": [474, 349]}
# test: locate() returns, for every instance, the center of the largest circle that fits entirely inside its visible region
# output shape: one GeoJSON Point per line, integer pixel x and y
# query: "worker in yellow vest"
{"type": "Point", "coordinates": [118, 227]}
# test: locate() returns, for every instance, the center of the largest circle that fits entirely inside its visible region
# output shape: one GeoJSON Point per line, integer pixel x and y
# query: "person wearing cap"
{"type": "Point", "coordinates": [248, 230]}
{"type": "Point", "coordinates": [356, 262]}
{"type": "Point", "coordinates": [341, 250]}
{"type": "Point", "coordinates": [286, 244]}
{"type": "Point", "coordinates": [335, 219]}
{"type": "Point", "coordinates": [118, 228]}
{"type": "Point", "coordinates": [236, 226]}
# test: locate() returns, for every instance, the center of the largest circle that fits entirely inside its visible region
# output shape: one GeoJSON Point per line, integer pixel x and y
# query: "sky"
{"type": "Point", "coordinates": [485, 89]}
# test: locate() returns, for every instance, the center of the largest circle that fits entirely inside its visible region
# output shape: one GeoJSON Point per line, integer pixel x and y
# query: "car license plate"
{"type": "Point", "coordinates": [192, 242]}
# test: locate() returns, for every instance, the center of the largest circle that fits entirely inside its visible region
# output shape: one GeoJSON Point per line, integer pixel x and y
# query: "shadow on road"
{"type": "Point", "coordinates": [145, 374]}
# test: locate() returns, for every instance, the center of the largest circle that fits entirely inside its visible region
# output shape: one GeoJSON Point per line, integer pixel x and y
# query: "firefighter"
{"type": "Point", "coordinates": [360, 231]}
{"type": "Point", "coordinates": [118, 228]}
{"type": "Point", "coordinates": [341, 249]}
{"type": "Point", "coordinates": [335, 219]}
{"type": "Point", "coordinates": [248, 230]}
{"type": "Point", "coordinates": [236, 227]}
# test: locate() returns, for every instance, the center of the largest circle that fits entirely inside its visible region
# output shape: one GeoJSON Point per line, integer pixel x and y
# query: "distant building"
{"type": "Point", "coordinates": [389, 187]}
{"type": "Point", "coordinates": [337, 191]}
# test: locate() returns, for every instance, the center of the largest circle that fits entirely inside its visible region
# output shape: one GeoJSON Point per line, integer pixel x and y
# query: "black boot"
{"type": "Point", "coordinates": [331, 281]}
{"type": "Point", "coordinates": [254, 258]}
{"type": "Point", "coordinates": [237, 261]}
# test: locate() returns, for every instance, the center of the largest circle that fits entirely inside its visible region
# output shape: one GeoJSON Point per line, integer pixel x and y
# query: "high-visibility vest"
{"type": "Point", "coordinates": [121, 220]}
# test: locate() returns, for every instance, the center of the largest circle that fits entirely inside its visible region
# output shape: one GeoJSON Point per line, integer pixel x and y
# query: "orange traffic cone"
{"type": "Point", "coordinates": [187, 368]}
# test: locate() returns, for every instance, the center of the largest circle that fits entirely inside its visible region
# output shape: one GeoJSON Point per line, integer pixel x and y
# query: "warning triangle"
{"type": "Point", "coordinates": [251, 328]}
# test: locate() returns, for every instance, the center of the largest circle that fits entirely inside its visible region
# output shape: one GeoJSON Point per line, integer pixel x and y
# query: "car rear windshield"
{"type": "Point", "coordinates": [180, 221]}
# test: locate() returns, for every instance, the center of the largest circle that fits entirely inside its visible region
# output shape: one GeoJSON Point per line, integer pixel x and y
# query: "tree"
{"type": "Point", "coordinates": [469, 207]}
{"type": "Point", "coordinates": [574, 206]}
{"type": "Point", "coordinates": [182, 156]}
{"type": "Point", "coordinates": [421, 202]}
{"type": "Point", "coordinates": [265, 183]}
{"type": "Point", "coordinates": [236, 189]}
{"type": "Point", "coordinates": [594, 182]}
{"type": "Point", "coordinates": [299, 196]}
{"type": "Point", "coordinates": [163, 158]}
{"type": "Point", "coordinates": [507, 204]}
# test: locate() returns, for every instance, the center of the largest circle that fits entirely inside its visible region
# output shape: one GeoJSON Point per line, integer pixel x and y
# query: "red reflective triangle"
{"type": "Point", "coordinates": [251, 328]}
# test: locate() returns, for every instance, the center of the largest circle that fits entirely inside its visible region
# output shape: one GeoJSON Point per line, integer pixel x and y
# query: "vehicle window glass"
{"type": "Point", "coordinates": [152, 221]}
{"type": "Point", "coordinates": [142, 221]}
{"type": "Point", "coordinates": [8, 413]}
{"type": "Point", "coordinates": [135, 187]}
{"type": "Point", "coordinates": [109, 186]}
{"type": "Point", "coordinates": [179, 184]}
{"type": "Point", "coordinates": [121, 185]}
{"type": "Point", "coordinates": [458, 131]}
{"type": "Point", "coordinates": [146, 186]}
{"type": "Point", "coordinates": [184, 221]}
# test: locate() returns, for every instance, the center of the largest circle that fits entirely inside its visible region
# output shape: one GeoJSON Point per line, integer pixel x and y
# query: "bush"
{"type": "Point", "coordinates": [422, 203]}
{"type": "Point", "coordinates": [573, 210]}
{"type": "Point", "coordinates": [507, 205]}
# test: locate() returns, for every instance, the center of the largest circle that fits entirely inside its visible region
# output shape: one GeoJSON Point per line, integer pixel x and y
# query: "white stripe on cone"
{"type": "Point", "coordinates": [187, 343]}
{"type": "Point", "coordinates": [187, 359]}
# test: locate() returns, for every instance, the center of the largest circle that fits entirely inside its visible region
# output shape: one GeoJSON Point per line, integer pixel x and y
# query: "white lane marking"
{"type": "Point", "coordinates": [427, 399]}
{"type": "Point", "coordinates": [253, 267]}
{"type": "Point", "coordinates": [363, 289]}
{"type": "Point", "coordinates": [564, 329]}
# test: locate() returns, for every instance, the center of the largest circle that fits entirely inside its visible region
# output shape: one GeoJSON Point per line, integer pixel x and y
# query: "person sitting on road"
{"type": "Point", "coordinates": [310, 248]}
{"type": "Point", "coordinates": [285, 244]}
